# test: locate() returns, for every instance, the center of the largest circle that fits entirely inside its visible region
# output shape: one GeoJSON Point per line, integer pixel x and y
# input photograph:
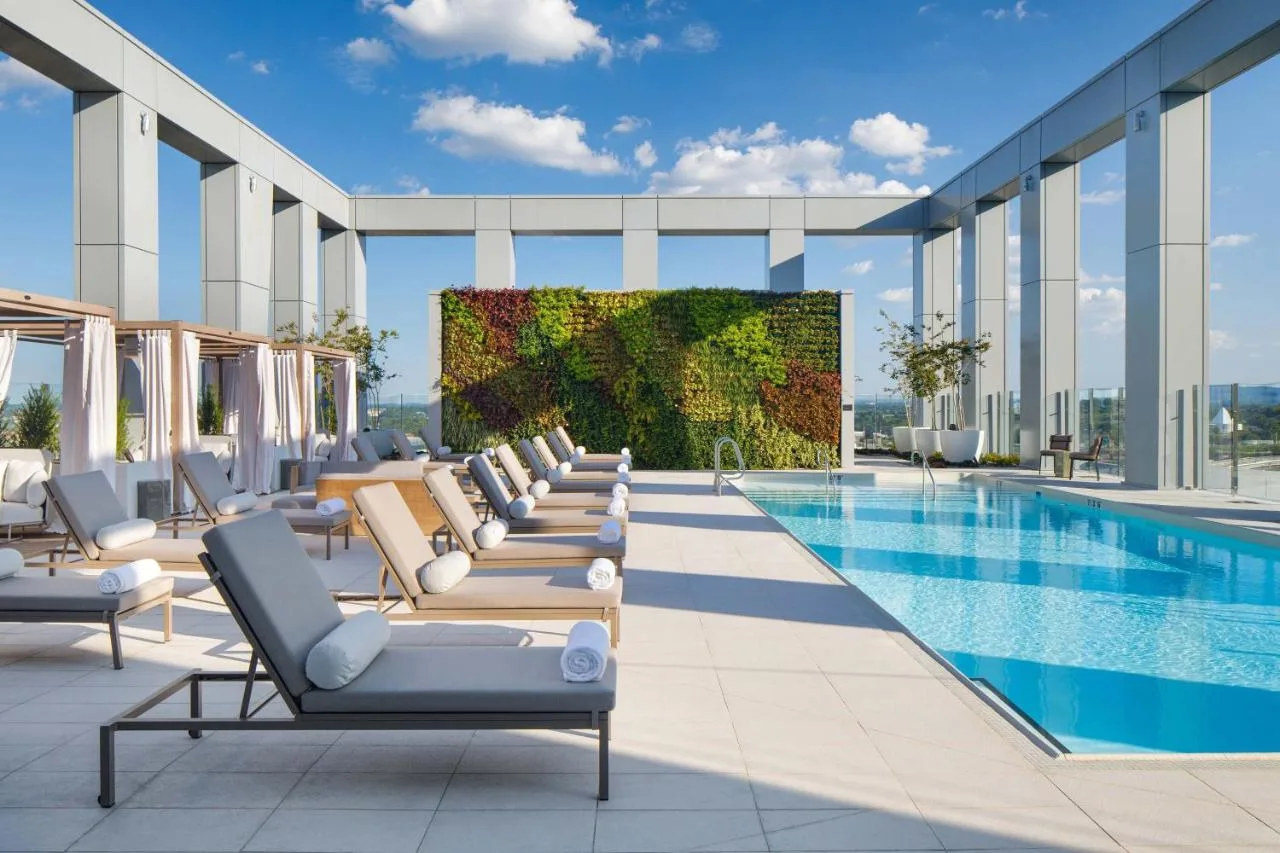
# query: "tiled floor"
{"type": "Point", "coordinates": [764, 705]}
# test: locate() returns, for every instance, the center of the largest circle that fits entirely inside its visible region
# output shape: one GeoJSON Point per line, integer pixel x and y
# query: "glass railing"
{"type": "Point", "coordinates": [1244, 440]}
{"type": "Point", "coordinates": [1100, 412]}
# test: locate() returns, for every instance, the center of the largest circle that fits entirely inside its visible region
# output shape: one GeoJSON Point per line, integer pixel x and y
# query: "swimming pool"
{"type": "Point", "coordinates": [1112, 632]}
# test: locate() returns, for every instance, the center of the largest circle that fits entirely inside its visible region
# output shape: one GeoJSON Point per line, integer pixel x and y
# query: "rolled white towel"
{"type": "Point", "coordinates": [522, 507]}
{"type": "Point", "coordinates": [624, 478]}
{"type": "Point", "coordinates": [580, 450]}
{"type": "Point", "coordinates": [626, 451]}
{"type": "Point", "coordinates": [586, 652]}
{"type": "Point", "coordinates": [539, 488]}
{"type": "Point", "coordinates": [620, 490]}
{"type": "Point", "coordinates": [128, 576]}
{"type": "Point", "coordinates": [445, 450]}
{"type": "Point", "coordinates": [610, 532]}
{"type": "Point", "coordinates": [11, 561]}
{"type": "Point", "coordinates": [564, 468]}
{"type": "Point", "coordinates": [623, 468]}
{"type": "Point", "coordinates": [331, 506]}
{"type": "Point", "coordinates": [617, 507]}
{"type": "Point", "coordinates": [601, 574]}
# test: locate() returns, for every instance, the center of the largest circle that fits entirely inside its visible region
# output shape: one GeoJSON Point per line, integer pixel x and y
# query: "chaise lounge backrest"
{"type": "Point", "coordinates": [434, 450]}
{"type": "Point", "coordinates": [515, 471]}
{"type": "Point", "coordinates": [544, 452]}
{"type": "Point", "coordinates": [536, 463]}
{"type": "Point", "coordinates": [88, 504]}
{"type": "Point", "coordinates": [374, 445]}
{"type": "Point", "coordinates": [457, 511]}
{"type": "Point", "coordinates": [395, 533]}
{"type": "Point", "coordinates": [486, 477]}
{"type": "Point", "coordinates": [562, 453]}
{"type": "Point", "coordinates": [274, 591]}
{"type": "Point", "coordinates": [563, 435]}
{"type": "Point", "coordinates": [203, 473]}
{"type": "Point", "coordinates": [402, 444]}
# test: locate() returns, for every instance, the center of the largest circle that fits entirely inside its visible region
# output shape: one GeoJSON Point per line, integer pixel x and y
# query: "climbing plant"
{"type": "Point", "coordinates": [663, 372]}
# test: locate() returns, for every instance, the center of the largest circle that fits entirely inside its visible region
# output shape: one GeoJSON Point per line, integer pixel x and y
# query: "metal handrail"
{"type": "Point", "coordinates": [824, 460]}
{"type": "Point", "coordinates": [721, 476]}
{"type": "Point", "coordinates": [925, 469]}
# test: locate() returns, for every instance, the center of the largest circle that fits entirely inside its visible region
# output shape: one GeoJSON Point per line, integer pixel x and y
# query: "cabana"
{"type": "Point", "coordinates": [295, 377]}
{"type": "Point", "coordinates": [171, 353]}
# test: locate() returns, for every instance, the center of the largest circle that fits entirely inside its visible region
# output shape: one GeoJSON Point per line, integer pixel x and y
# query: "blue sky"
{"type": "Point", "coordinates": [541, 96]}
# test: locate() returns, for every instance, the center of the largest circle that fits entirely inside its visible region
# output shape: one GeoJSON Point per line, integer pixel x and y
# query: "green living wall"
{"type": "Point", "coordinates": [662, 372]}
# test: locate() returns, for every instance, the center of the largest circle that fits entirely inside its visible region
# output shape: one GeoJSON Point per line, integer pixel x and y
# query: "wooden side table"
{"type": "Point", "coordinates": [413, 489]}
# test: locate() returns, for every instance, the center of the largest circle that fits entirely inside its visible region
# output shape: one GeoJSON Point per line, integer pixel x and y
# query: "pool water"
{"type": "Point", "coordinates": [1113, 633]}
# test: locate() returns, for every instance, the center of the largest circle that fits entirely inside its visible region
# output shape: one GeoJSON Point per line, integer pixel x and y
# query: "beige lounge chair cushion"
{"type": "Point", "coordinates": [563, 434]}
{"type": "Point", "coordinates": [466, 679]}
{"type": "Point", "coordinates": [524, 590]}
{"type": "Point", "coordinates": [454, 506]}
{"type": "Point", "coordinates": [160, 549]}
{"type": "Point", "coordinates": [396, 531]}
{"type": "Point", "coordinates": [75, 595]}
{"type": "Point", "coordinates": [570, 547]}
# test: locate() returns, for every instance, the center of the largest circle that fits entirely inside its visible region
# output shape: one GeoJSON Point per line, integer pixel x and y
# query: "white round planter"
{"type": "Point", "coordinates": [962, 445]}
{"type": "Point", "coordinates": [928, 441]}
{"type": "Point", "coordinates": [904, 439]}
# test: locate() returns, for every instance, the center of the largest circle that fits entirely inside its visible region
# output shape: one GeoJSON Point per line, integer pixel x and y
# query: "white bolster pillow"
{"type": "Point", "coordinates": [128, 576]}
{"type": "Point", "coordinates": [564, 468]}
{"type": "Point", "coordinates": [11, 561]}
{"type": "Point", "coordinates": [444, 572]}
{"type": "Point", "coordinates": [347, 650]}
{"type": "Point", "coordinates": [610, 532]}
{"type": "Point", "coordinates": [626, 451]}
{"type": "Point", "coordinates": [491, 533]}
{"type": "Point", "coordinates": [539, 488]}
{"type": "Point", "coordinates": [580, 450]}
{"type": "Point", "coordinates": [624, 478]}
{"type": "Point", "coordinates": [444, 450]}
{"type": "Point", "coordinates": [35, 489]}
{"type": "Point", "coordinates": [620, 490]}
{"type": "Point", "coordinates": [490, 452]}
{"type": "Point", "coordinates": [617, 507]}
{"type": "Point", "coordinates": [124, 533]}
{"type": "Point", "coordinates": [522, 507]}
{"type": "Point", "coordinates": [236, 504]}
{"type": "Point", "coordinates": [623, 468]}
{"type": "Point", "coordinates": [553, 476]}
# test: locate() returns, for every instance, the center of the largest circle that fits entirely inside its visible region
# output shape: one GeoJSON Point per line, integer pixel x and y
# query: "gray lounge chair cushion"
{"type": "Point", "coordinates": [524, 589]}
{"type": "Point", "coordinates": [466, 679]}
{"type": "Point", "coordinates": [75, 595]}
{"type": "Point", "coordinates": [89, 504]}
{"type": "Point", "coordinates": [204, 474]}
{"type": "Point", "coordinates": [363, 446]}
{"type": "Point", "coordinates": [513, 469]}
{"type": "Point", "coordinates": [572, 548]}
{"type": "Point", "coordinates": [278, 591]}
{"type": "Point", "coordinates": [402, 444]}
{"type": "Point", "coordinates": [578, 520]}
{"type": "Point", "coordinates": [495, 491]}
{"type": "Point", "coordinates": [544, 452]}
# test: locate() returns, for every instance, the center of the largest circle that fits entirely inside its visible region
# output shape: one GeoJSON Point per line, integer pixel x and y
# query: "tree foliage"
{"type": "Point", "coordinates": [368, 347]}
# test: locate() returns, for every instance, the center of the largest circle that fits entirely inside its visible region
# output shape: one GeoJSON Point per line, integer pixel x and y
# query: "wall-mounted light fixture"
{"type": "Point", "coordinates": [1028, 183]}
{"type": "Point", "coordinates": [253, 183]}
{"type": "Point", "coordinates": [145, 123]}
{"type": "Point", "coordinates": [1139, 121]}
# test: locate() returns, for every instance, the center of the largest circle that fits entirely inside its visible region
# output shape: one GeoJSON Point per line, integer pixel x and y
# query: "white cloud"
{"type": "Point", "coordinates": [907, 144]}
{"type": "Point", "coordinates": [1103, 197]}
{"type": "Point", "coordinates": [1218, 339]}
{"type": "Point", "coordinates": [364, 189]}
{"type": "Point", "coordinates": [700, 38]}
{"type": "Point", "coordinates": [257, 66]}
{"type": "Point", "coordinates": [895, 294]}
{"type": "Point", "coordinates": [260, 67]}
{"type": "Point", "coordinates": [1215, 286]}
{"type": "Point", "coordinates": [1017, 12]}
{"type": "Point", "coordinates": [373, 51]}
{"type": "Point", "coordinates": [645, 156]}
{"type": "Point", "coordinates": [1086, 278]}
{"type": "Point", "coordinates": [482, 129]}
{"type": "Point", "coordinates": [629, 124]}
{"type": "Point", "coordinates": [412, 186]}
{"type": "Point", "coordinates": [926, 8]}
{"type": "Point", "coordinates": [765, 162]}
{"type": "Point", "coordinates": [237, 56]}
{"type": "Point", "coordinates": [860, 268]}
{"type": "Point", "coordinates": [370, 5]}
{"type": "Point", "coordinates": [1102, 309]}
{"type": "Point", "coordinates": [32, 86]}
{"type": "Point", "coordinates": [638, 47]}
{"type": "Point", "coordinates": [1230, 241]}
{"type": "Point", "coordinates": [534, 32]}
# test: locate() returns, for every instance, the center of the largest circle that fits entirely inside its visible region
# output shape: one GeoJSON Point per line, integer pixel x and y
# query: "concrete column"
{"type": "Point", "coordinates": [984, 239]}
{"type": "Point", "coordinates": [116, 220]}
{"type": "Point", "coordinates": [495, 247]}
{"type": "Point", "coordinates": [236, 242]}
{"type": "Point", "coordinates": [848, 380]}
{"type": "Point", "coordinates": [435, 354]}
{"type": "Point", "coordinates": [933, 293]}
{"type": "Point", "coordinates": [1167, 142]}
{"type": "Point", "coordinates": [295, 267]}
{"type": "Point", "coordinates": [1050, 229]}
{"type": "Point", "coordinates": [344, 277]}
{"type": "Point", "coordinates": [786, 259]}
{"type": "Point", "coordinates": [639, 244]}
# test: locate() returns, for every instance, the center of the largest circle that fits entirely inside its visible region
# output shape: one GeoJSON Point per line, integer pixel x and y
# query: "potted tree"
{"type": "Point", "coordinates": [912, 367]}
{"type": "Point", "coordinates": [957, 361]}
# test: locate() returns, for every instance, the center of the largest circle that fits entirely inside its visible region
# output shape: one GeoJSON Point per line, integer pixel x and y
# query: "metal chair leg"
{"type": "Point", "coordinates": [604, 758]}
{"type": "Point", "coordinates": [107, 766]}
{"type": "Point", "coordinates": [117, 658]}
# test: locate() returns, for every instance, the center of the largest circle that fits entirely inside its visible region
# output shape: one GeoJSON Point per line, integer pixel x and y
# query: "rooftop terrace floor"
{"type": "Point", "coordinates": [763, 705]}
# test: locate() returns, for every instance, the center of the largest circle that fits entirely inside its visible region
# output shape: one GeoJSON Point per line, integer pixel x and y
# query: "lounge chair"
{"type": "Point", "coordinates": [435, 449]}
{"type": "Point", "coordinates": [27, 598]}
{"type": "Point", "coordinates": [533, 594]}
{"type": "Point", "coordinates": [519, 479]}
{"type": "Point", "coordinates": [87, 504]}
{"type": "Point", "coordinates": [280, 604]}
{"type": "Point", "coordinates": [572, 549]}
{"type": "Point", "coordinates": [564, 453]}
{"type": "Point", "coordinates": [563, 435]}
{"type": "Point", "coordinates": [1093, 454]}
{"type": "Point", "coordinates": [210, 486]}
{"type": "Point", "coordinates": [541, 520]}
{"type": "Point", "coordinates": [405, 448]}
{"type": "Point", "coordinates": [1058, 445]}
{"type": "Point", "coordinates": [574, 481]}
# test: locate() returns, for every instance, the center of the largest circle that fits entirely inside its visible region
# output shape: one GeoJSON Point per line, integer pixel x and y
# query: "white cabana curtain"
{"type": "Point", "coordinates": [88, 435]}
{"type": "Point", "coordinates": [344, 401]}
{"type": "Point", "coordinates": [229, 390]}
{"type": "Point", "coordinates": [156, 349]}
{"type": "Point", "coordinates": [307, 401]}
{"type": "Point", "coordinates": [288, 408]}
{"type": "Point", "coordinates": [187, 372]}
{"type": "Point", "coordinates": [256, 394]}
{"type": "Point", "coordinates": [8, 346]}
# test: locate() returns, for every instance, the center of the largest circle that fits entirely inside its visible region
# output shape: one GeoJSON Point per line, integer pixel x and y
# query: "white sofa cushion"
{"type": "Point", "coordinates": [20, 513]}
{"type": "Point", "coordinates": [444, 572]}
{"type": "Point", "coordinates": [36, 495]}
{"type": "Point", "coordinates": [16, 476]}
{"type": "Point", "coordinates": [125, 533]}
{"type": "Point", "coordinates": [347, 650]}
{"type": "Point", "coordinates": [236, 504]}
